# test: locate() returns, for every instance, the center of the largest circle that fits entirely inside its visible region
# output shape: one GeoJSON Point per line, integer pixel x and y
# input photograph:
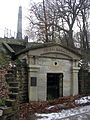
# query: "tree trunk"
{"type": "Point", "coordinates": [70, 39]}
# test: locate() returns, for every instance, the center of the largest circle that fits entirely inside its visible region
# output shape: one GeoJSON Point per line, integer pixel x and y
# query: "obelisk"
{"type": "Point", "coordinates": [19, 24]}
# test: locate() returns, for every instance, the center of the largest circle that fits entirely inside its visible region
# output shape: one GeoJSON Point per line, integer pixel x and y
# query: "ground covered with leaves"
{"type": "Point", "coordinates": [27, 110]}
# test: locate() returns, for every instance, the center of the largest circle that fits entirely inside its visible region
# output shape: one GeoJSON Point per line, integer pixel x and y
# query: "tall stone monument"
{"type": "Point", "coordinates": [19, 24]}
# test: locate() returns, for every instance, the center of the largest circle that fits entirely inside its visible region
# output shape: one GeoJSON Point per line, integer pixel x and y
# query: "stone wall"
{"type": "Point", "coordinates": [17, 80]}
{"type": "Point", "coordinates": [84, 81]}
{"type": "Point", "coordinates": [8, 109]}
{"type": "Point", "coordinates": [3, 84]}
{"type": "Point", "coordinates": [22, 77]}
{"type": "Point", "coordinates": [13, 89]}
{"type": "Point", "coordinates": [12, 41]}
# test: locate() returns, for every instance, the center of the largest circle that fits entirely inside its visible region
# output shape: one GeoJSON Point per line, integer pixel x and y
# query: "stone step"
{"type": "Point", "coordinates": [8, 75]}
{"type": "Point", "coordinates": [10, 79]}
{"type": "Point", "coordinates": [11, 71]}
{"type": "Point", "coordinates": [13, 95]}
{"type": "Point", "coordinates": [13, 84]}
{"type": "Point", "coordinates": [10, 102]}
{"type": "Point", "coordinates": [14, 89]}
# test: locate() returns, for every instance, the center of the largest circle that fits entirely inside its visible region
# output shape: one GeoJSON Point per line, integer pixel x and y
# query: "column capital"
{"type": "Point", "coordinates": [75, 69]}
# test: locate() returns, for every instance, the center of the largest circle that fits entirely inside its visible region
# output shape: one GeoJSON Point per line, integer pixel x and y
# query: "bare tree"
{"type": "Point", "coordinates": [55, 20]}
{"type": "Point", "coordinates": [83, 25]}
{"type": "Point", "coordinates": [84, 14]}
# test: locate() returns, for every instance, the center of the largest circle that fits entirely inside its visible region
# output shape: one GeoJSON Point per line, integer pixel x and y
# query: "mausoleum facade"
{"type": "Point", "coordinates": [52, 71]}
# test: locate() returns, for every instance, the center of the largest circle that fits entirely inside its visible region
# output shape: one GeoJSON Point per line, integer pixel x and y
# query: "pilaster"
{"type": "Point", "coordinates": [74, 82]}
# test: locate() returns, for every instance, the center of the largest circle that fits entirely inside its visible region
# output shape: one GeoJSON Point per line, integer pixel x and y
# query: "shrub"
{"type": "Point", "coordinates": [2, 102]}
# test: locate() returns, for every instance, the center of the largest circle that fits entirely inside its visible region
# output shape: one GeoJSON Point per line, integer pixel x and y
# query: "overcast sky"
{"type": "Point", "coordinates": [9, 13]}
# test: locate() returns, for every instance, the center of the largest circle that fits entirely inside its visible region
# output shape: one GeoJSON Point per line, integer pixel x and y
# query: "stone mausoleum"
{"type": "Point", "coordinates": [52, 71]}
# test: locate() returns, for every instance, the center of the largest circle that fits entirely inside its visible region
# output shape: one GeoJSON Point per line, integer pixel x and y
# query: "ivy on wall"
{"type": "Point", "coordinates": [4, 59]}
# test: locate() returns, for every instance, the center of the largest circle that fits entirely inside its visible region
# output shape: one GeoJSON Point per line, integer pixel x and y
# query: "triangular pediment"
{"type": "Point", "coordinates": [55, 51]}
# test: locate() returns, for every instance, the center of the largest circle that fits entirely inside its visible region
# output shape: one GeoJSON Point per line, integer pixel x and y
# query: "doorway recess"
{"type": "Point", "coordinates": [54, 85]}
